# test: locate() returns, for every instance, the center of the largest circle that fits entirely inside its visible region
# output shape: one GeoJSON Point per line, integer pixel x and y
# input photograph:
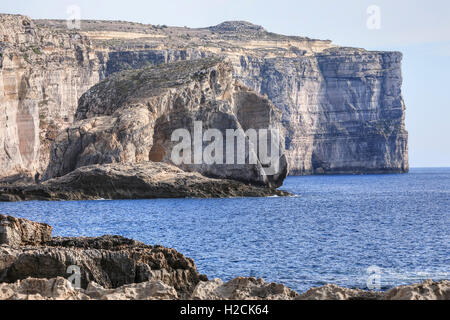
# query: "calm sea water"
{"type": "Point", "coordinates": [330, 232]}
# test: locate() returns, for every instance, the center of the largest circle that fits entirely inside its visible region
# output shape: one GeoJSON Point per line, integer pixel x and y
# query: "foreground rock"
{"type": "Point", "coordinates": [61, 289]}
{"type": "Point", "coordinates": [111, 268]}
{"type": "Point", "coordinates": [110, 261]}
{"type": "Point", "coordinates": [145, 180]}
{"type": "Point", "coordinates": [40, 289]}
{"type": "Point", "coordinates": [236, 289]}
{"type": "Point", "coordinates": [242, 289]}
{"type": "Point", "coordinates": [427, 290]}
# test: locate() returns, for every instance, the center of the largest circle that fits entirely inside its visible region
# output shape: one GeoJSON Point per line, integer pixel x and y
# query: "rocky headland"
{"type": "Point", "coordinates": [34, 266]}
{"type": "Point", "coordinates": [341, 108]}
{"type": "Point", "coordinates": [130, 116]}
{"type": "Point", "coordinates": [120, 145]}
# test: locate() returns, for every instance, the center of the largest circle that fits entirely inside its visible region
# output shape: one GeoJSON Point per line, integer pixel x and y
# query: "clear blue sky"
{"type": "Point", "coordinates": [420, 29]}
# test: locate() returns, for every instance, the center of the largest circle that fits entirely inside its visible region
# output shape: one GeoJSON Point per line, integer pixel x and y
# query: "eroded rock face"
{"type": "Point", "coordinates": [145, 180]}
{"type": "Point", "coordinates": [109, 261]}
{"type": "Point", "coordinates": [130, 117]}
{"type": "Point", "coordinates": [257, 289]}
{"type": "Point", "coordinates": [242, 289]}
{"type": "Point", "coordinates": [61, 289]}
{"type": "Point", "coordinates": [334, 292]}
{"type": "Point", "coordinates": [41, 289]}
{"type": "Point", "coordinates": [427, 290]}
{"type": "Point", "coordinates": [17, 232]}
{"type": "Point", "coordinates": [28, 250]}
{"type": "Point", "coordinates": [149, 290]}
{"type": "Point", "coordinates": [43, 72]}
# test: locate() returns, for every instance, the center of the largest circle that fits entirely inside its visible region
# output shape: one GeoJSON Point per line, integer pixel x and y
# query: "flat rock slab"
{"type": "Point", "coordinates": [147, 180]}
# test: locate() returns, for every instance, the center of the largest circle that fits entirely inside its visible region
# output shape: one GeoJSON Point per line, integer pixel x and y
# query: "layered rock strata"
{"type": "Point", "coordinates": [342, 108]}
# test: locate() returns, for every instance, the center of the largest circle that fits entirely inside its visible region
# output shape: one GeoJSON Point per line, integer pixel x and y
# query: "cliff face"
{"type": "Point", "coordinates": [342, 108]}
{"type": "Point", "coordinates": [42, 75]}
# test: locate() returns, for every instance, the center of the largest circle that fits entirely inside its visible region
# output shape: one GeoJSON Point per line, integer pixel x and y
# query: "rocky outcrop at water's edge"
{"type": "Point", "coordinates": [147, 180]}
{"type": "Point", "coordinates": [34, 266]}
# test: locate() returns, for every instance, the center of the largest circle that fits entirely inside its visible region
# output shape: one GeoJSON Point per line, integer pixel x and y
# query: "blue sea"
{"type": "Point", "coordinates": [331, 231]}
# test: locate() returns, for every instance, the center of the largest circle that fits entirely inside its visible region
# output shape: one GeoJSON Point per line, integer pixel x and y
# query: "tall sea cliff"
{"type": "Point", "coordinates": [342, 109]}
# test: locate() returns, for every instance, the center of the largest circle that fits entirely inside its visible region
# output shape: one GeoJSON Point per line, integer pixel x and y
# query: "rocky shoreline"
{"type": "Point", "coordinates": [34, 265]}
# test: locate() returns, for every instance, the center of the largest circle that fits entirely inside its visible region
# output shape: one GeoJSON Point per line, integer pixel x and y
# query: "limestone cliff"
{"type": "Point", "coordinates": [342, 108]}
{"type": "Point", "coordinates": [42, 75]}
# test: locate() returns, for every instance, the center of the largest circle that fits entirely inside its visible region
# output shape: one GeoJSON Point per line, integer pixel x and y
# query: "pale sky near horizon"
{"type": "Point", "coordinates": [420, 29]}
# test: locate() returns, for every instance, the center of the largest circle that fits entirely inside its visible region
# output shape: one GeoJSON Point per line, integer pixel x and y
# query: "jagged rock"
{"type": "Point", "coordinates": [342, 108]}
{"type": "Point", "coordinates": [110, 261]}
{"type": "Point", "coordinates": [334, 292]}
{"type": "Point", "coordinates": [239, 288]}
{"type": "Point", "coordinates": [124, 262]}
{"type": "Point", "coordinates": [242, 289]}
{"type": "Point", "coordinates": [41, 289]}
{"type": "Point", "coordinates": [130, 118]}
{"type": "Point", "coordinates": [149, 290]}
{"type": "Point", "coordinates": [42, 74]}
{"type": "Point", "coordinates": [146, 180]}
{"type": "Point", "coordinates": [427, 290]}
{"type": "Point", "coordinates": [17, 232]}
{"type": "Point", "coordinates": [61, 289]}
